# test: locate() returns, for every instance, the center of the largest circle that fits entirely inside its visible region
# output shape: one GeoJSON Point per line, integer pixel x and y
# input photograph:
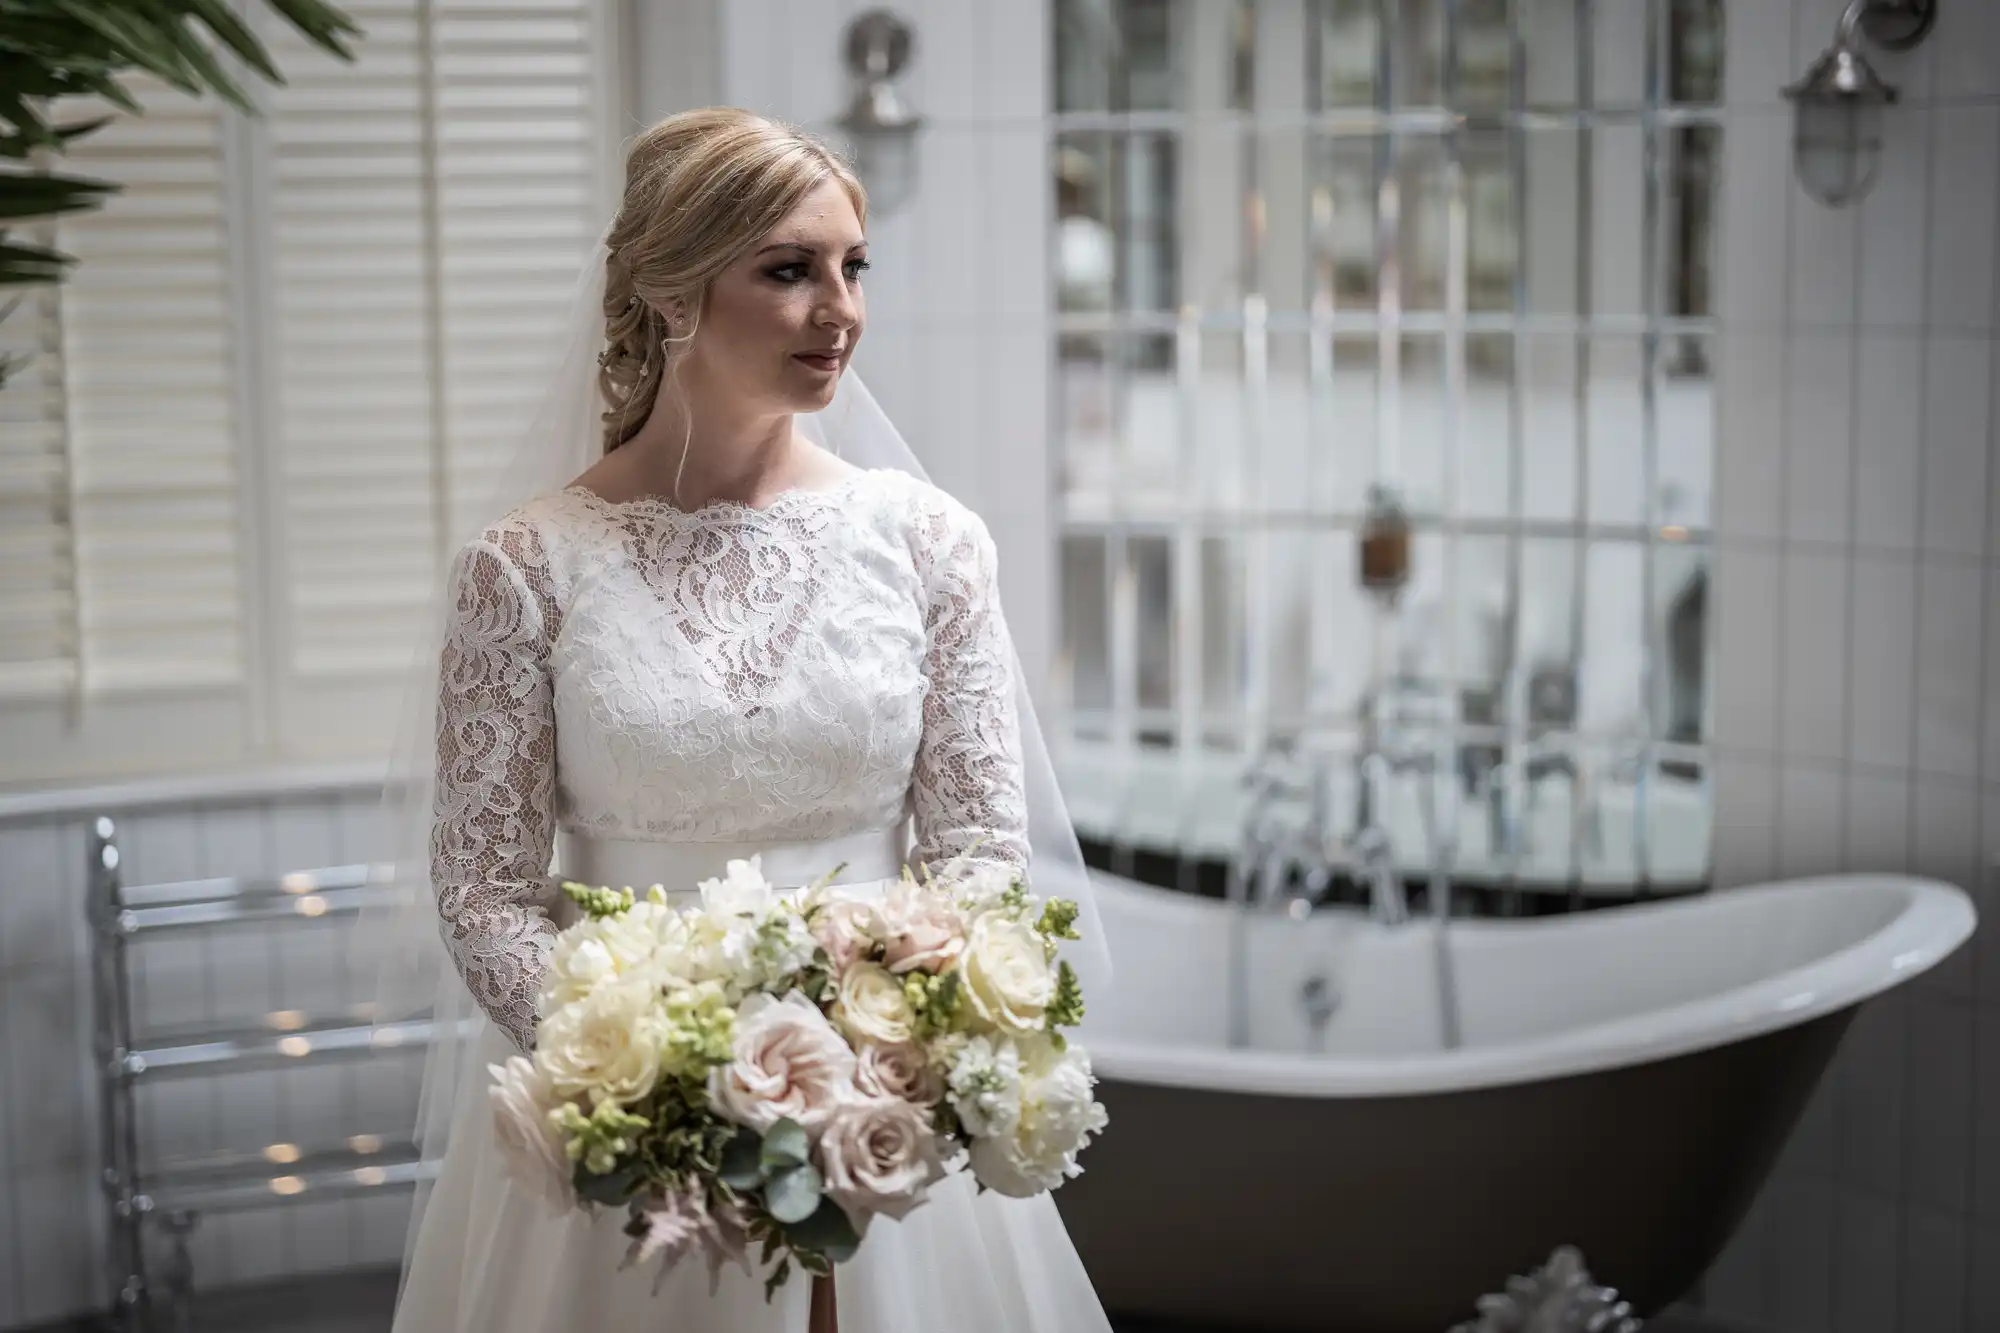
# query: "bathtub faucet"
{"type": "Point", "coordinates": [1375, 866]}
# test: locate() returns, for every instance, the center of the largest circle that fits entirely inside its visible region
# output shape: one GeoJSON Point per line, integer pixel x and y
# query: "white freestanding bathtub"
{"type": "Point", "coordinates": [1622, 1081]}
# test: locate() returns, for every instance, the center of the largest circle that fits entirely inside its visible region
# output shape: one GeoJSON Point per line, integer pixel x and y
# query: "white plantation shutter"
{"type": "Point", "coordinates": [117, 469]}
{"type": "Point", "coordinates": [293, 345]}
{"type": "Point", "coordinates": [430, 209]}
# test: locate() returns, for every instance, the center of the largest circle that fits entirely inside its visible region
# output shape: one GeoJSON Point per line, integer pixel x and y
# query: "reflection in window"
{"type": "Point", "coordinates": [1459, 248]}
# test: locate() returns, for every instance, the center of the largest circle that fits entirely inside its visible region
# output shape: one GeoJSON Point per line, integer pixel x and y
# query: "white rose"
{"type": "Point", "coordinates": [869, 1005]}
{"type": "Point", "coordinates": [605, 1046]}
{"type": "Point", "coordinates": [522, 1100]}
{"type": "Point", "coordinates": [919, 929]}
{"type": "Point", "coordinates": [1006, 971]}
{"type": "Point", "coordinates": [897, 1070]}
{"type": "Point", "coordinates": [878, 1156]}
{"type": "Point", "coordinates": [789, 1064]}
{"type": "Point", "coordinates": [742, 890]}
{"type": "Point", "coordinates": [985, 1083]}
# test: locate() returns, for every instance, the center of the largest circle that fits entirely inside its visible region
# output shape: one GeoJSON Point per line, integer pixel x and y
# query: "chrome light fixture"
{"type": "Point", "coordinates": [880, 124]}
{"type": "Point", "coordinates": [1837, 133]}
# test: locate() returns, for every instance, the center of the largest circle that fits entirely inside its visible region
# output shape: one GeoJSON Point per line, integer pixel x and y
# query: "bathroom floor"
{"type": "Point", "coordinates": [360, 1303]}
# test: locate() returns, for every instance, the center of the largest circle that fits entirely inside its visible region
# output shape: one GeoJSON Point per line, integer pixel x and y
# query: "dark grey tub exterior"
{"type": "Point", "coordinates": [1393, 1214]}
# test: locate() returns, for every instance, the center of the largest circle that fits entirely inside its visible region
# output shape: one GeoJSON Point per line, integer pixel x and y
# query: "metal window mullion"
{"type": "Point", "coordinates": [1507, 781]}
{"type": "Point", "coordinates": [1651, 302]}
{"type": "Point", "coordinates": [1585, 256]}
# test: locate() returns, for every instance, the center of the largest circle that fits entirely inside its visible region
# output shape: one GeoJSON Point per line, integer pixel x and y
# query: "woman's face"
{"type": "Point", "coordinates": [780, 323]}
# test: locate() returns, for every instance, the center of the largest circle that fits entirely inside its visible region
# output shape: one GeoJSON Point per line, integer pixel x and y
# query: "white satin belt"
{"type": "Point", "coordinates": [636, 864]}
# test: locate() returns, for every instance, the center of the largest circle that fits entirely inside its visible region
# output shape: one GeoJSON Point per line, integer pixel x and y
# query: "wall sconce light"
{"type": "Point", "coordinates": [1837, 131]}
{"type": "Point", "coordinates": [881, 125]}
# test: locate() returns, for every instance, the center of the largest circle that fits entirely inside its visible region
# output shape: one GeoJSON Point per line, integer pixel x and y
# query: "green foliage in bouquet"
{"type": "Point", "coordinates": [779, 1167]}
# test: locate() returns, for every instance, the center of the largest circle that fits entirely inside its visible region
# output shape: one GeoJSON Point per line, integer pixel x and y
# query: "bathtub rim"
{"type": "Point", "coordinates": [1935, 920]}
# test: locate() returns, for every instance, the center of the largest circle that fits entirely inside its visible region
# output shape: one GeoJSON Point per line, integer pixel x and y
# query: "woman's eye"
{"type": "Point", "coordinates": [790, 272]}
{"type": "Point", "coordinates": [856, 267]}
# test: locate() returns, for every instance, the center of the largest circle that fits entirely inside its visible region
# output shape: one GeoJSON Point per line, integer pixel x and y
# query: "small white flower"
{"type": "Point", "coordinates": [985, 1083]}
{"type": "Point", "coordinates": [742, 890]}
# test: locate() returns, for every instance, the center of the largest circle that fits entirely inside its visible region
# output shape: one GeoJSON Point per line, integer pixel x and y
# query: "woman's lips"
{"type": "Point", "coordinates": [828, 361]}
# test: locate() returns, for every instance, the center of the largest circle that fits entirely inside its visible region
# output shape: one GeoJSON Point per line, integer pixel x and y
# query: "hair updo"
{"type": "Point", "coordinates": [701, 187]}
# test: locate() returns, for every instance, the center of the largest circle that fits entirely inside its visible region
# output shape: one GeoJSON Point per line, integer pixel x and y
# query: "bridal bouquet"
{"type": "Point", "coordinates": [776, 1070]}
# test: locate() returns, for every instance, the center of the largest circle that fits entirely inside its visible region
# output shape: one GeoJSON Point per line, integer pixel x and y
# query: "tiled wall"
{"type": "Point", "coordinates": [1858, 652]}
{"type": "Point", "coordinates": [50, 1223]}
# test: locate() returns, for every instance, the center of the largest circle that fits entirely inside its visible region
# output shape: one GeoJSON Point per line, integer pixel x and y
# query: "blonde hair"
{"type": "Point", "coordinates": [701, 188]}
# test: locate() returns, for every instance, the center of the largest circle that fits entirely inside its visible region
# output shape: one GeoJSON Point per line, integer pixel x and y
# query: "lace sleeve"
{"type": "Point", "coordinates": [967, 785]}
{"type": "Point", "coordinates": [493, 820]}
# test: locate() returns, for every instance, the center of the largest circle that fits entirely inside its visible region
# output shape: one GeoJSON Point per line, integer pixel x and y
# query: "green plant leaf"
{"type": "Point", "coordinates": [323, 25]}
{"type": "Point", "coordinates": [828, 1231]}
{"type": "Point", "coordinates": [26, 195]}
{"type": "Point", "coordinates": [742, 1161]}
{"type": "Point", "coordinates": [23, 264]}
{"type": "Point", "coordinates": [777, 1279]}
{"type": "Point", "coordinates": [785, 1145]}
{"type": "Point", "coordinates": [792, 1195]}
{"type": "Point", "coordinates": [229, 30]}
{"type": "Point", "coordinates": [613, 1187]}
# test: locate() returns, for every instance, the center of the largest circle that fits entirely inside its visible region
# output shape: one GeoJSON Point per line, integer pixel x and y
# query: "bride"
{"type": "Point", "coordinates": [724, 637]}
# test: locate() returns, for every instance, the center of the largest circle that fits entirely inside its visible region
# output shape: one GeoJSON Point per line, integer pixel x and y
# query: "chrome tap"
{"type": "Point", "coordinates": [1375, 866]}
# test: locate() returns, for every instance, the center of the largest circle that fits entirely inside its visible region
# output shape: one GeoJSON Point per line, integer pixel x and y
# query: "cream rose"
{"type": "Point", "coordinates": [919, 930]}
{"type": "Point", "coordinates": [869, 1005]}
{"type": "Point", "coordinates": [604, 1047]}
{"type": "Point", "coordinates": [522, 1100]}
{"type": "Point", "coordinates": [898, 1070]}
{"type": "Point", "coordinates": [789, 1064]}
{"type": "Point", "coordinates": [1006, 972]}
{"type": "Point", "coordinates": [879, 1156]}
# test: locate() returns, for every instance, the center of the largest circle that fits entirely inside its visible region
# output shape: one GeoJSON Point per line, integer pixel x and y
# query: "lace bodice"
{"type": "Point", "coordinates": [819, 668]}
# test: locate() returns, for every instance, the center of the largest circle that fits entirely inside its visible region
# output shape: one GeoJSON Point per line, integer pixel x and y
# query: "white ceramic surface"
{"type": "Point", "coordinates": [1539, 998]}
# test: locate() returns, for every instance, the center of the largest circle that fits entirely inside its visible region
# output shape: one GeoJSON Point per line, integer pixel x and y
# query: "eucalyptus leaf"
{"type": "Point", "coordinates": [828, 1231]}
{"type": "Point", "coordinates": [792, 1195]}
{"type": "Point", "coordinates": [785, 1145]}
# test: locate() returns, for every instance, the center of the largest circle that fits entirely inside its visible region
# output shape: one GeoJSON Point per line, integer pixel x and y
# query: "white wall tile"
{"type": "Point", "coordinates": [1811, 805]}
{"type": "Point", "coordinates": [1757, 191]}
{"type": "Point", "coordinates": [1965, 47]}
{"type": "Point", "coordinates": [1746, 807]}
{"type": "Point", "coordinates": [1946, 838]}
{"type": "Point", "coordinates": [1824, 274]}
{"type": "Point", "coordinates": [1935, 1246]}
{"type": "Point", "coordinates": [1819, 441]}
{"type": "Point", "coordinates": [1950, 635]}
{"type": "Point", "coordinates": [1813, 701]}
{"type": "Point", "coordinates": [1882, 657]}
{"type": "Point", "coordinates": [1747, 644]}
{"type": "Point", "coordinates": [1893, 219]}
{"type": "Point", "coordinates": [1758, 39]}
{"type": "Point", "coordinates": [1865, 1261]}
{"type": "Point", "coordinates": [1750, 462]}
{"type": "Point", "coordinates": [1965, 175]}
{"type": "Point", "coordinates": [1888, 440]}
{"type": "Point", "coordinates": [1877, 834]}
{"type": "Point", "coordinates": [1956, 433]}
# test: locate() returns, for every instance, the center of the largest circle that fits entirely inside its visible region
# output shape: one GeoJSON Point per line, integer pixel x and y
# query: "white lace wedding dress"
{"type": "Point", "coordinates": [644, 693]}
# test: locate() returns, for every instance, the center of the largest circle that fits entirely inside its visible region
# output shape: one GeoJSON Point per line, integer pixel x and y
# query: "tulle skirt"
{"type": "Point", "coordinates": [489, 1257]}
